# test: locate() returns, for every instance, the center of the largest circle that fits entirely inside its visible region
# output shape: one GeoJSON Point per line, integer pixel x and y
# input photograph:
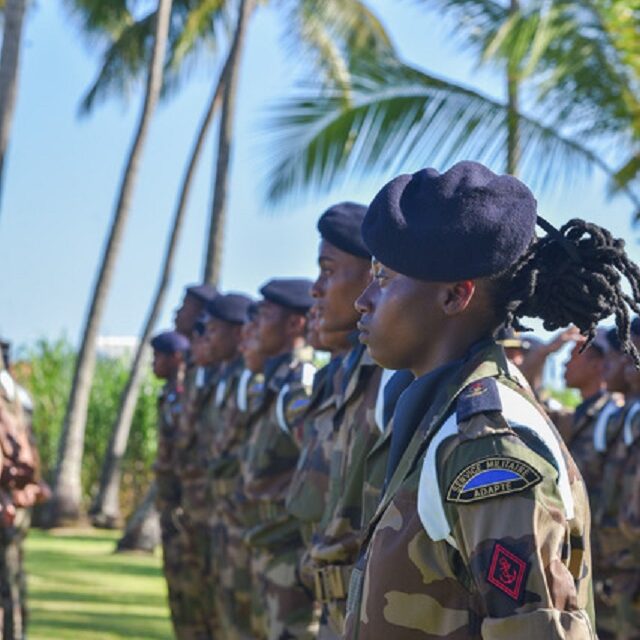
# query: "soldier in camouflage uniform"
{"type": "Point", "coordinates": [484, 525]}
{"type": "Point", "coordinates": [618, 601]}
{"type": "Point", "coordinates": [248, 399]}
{"type": "Point", "coordinates": [227, 434]}
{"type": "Point", "coordinates": [197, 515]}
{"type": "Point", "coordinates": [628, 604]}
{"type": "Point", "coordinates": [169, 351]}
{"type": "Point", "coordinates": [589, 426]}
{"type": "Point", "coordinates": [344, 271]}
{"type": "Point", "coordinates": [190, 517]}
{"type": "Point", "coordinates": [270, 459]}
{"type": "Point", "coordinates": [309, 488]}
{"type": "Point", "coordinates": [593, 429]}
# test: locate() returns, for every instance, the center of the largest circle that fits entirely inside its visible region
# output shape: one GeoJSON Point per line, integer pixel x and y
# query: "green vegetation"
{"type": "Point", "coordinates": [569, 398]}
{"type": "Point", "coordinates": [78, 588]}
{"type": "Point", "coordinates": [46, 370]}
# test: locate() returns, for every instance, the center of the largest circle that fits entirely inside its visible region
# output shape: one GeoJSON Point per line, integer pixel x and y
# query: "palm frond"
{"type": "Point", "coordinates": [476, 21]}
{"type": "Point", "coordinates": [578, 60]}
{"type": "Point", "coordinates": [400, 118]}
{"type": "Point", "coordinates": [123, 62]}
{"type": "Point", "coordinates": [194, 25]}
{"type": "Point", "coordinates": [198, 26]}
{"type": "Point", "coordinates": [98, 19]}
{"type": "Point", "coordinates": [330, 34]}
{"type": "Point", "coordinates": [627, 174]}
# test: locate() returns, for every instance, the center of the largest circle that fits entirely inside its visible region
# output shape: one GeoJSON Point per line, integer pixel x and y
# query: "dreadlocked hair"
{"type": "Point", "coordinates": [575, 277]}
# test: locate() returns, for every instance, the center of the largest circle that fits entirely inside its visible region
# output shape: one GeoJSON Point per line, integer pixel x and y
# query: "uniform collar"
{"type": "Point", "coordinates": [485, 359]}
{"type": "Point", "coordinates": [272, 365]}
{"type": "Point", "coordinates": [411, 408]}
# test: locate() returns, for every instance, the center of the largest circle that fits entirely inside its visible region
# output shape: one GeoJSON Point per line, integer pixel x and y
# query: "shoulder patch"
{"type": "Point", "coordinates": [478, 397]}
{"type": "Point", "coordinates": [507, 572]}
{"type": "Point", "coordinates": [492, 477]}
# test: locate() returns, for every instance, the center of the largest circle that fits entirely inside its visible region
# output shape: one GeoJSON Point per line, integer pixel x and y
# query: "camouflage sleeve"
{"type": "Point", "coordinates": [512, 540]}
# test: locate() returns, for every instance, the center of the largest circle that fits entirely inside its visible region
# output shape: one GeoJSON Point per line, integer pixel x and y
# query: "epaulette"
{"type": "Point", "coordinates": [478, 397]}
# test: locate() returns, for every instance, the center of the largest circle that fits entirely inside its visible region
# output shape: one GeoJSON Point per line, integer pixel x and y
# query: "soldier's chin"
{"type": "Point", "coordinates": [374, 349]}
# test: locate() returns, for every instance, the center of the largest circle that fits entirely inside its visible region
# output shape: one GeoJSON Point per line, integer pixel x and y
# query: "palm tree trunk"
{"type": "Point", "coordinates": [14, 11]}
{"type": "Point", "coordinates": [142, 532]}
{"type": "Point", "coordinates": [223, 158]}
{"type": "Point", "coordinates": [513, 106]}
{"type": "Point", "coordinates": [105, 511]}
{"type": "Point", "coordinates": [66, 502]}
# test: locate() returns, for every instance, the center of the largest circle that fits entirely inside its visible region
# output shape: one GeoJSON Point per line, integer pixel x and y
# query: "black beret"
{"type": "Point", "coordinates": [202, 292]}
{"type": "Point", "coordinates": [292, 293]}
{"type": "Point", "coordinates": [231, 307]}
{"type": "Point", "coordinates": [341, 225]}
{"type": "Point", "coordinates": [169, 342]}
{"type": "Point", "coordinates": [465, 223]}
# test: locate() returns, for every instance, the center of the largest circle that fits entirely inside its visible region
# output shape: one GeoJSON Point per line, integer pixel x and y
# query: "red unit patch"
{"type": "Point", "coordinates": [507, 572]}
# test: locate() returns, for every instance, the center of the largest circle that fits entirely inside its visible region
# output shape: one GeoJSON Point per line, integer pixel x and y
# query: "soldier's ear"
{"type": "Point", "coordinates": [455, 296]}
{"type": "Point", "coordinates": [237, 332]}
{"type": "Point", "coordinates": [296, 325]}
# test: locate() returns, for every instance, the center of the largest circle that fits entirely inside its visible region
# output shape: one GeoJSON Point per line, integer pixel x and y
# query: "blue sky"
{"type": "Point", "coordinates": [63, 173]}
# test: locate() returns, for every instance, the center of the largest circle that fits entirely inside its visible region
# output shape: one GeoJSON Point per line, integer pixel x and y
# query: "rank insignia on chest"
{"type": "Point", "coordinates": [492, 477]}
{"type": "Point", "coordinates": [507, 572]}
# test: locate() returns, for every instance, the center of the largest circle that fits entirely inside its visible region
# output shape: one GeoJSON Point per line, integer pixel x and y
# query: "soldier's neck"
{"type": "Point", "coordinates": [592, 388]}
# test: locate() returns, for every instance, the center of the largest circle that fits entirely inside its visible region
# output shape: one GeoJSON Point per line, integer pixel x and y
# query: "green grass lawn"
{"type": "Point", "coordinates": [80, 590]}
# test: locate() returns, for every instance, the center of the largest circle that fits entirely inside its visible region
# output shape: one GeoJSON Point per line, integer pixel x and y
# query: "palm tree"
{"type": "Point", "coordinates": [329, 40]}
{"type": "Point", "coordinates": [13, 14]}
{"type": "Point", "coordinates": [331, 33]}
{"type": "Point", "coordinates": [396, 114]}
{"type": "Point", "coordinates": [229, 79]}
{"type": "Point", "coordinates": [105, 510]}
{"type": "Point", "coordinates": [142, 532]}
{"type": "Point", "coordinates": [66, 501]}
{"type": "Point", "coordinates": [583, 64]}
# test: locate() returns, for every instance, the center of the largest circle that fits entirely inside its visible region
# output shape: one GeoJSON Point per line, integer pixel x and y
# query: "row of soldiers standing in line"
{"type": "Point", "coordinates": [603, 436]}
{"type": "Point", "coordinates": [21, 488]}
{"type": "Point", "coordinates": [279, 495]}
{"type": "Point", "coordinates": [261, 460]}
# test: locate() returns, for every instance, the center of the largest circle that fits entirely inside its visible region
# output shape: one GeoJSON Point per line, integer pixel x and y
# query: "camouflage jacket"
{"type": "Point", "coordinates": [165, 466]}
{"type": "Point", "coordinates": [338, 539]}
{"type": "Point", "coordinates": [195, 444]}
{"type": "Point", "coordinates": [592, 432]}
{"type": "Point", "coordinates": [228, 428]}
{"type": "Point", "coordinates": [376, 464]}
{"type": "Point", "coordinates": [192, 386]}
{"type": "Point", "coordinates": [483, 529]}
{"type": "Point", "coordinates": [611, 548]}
{"type": "Point", "coordinates": [629, 515]}
{"type": "Point", "coordinates": [271, 454]}
{"type": "Point", "coordinates": [308, 492]}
